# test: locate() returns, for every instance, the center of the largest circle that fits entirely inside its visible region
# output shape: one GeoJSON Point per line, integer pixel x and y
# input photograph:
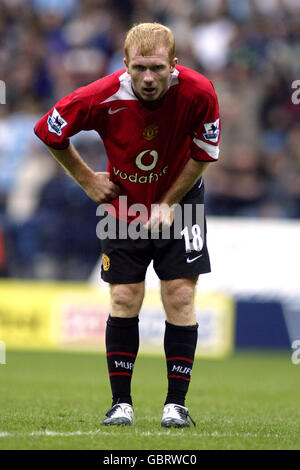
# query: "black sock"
{"type": "Point", "coordinates": [180, 344]}
{"type": "Point", "coordinates": [122, 343]}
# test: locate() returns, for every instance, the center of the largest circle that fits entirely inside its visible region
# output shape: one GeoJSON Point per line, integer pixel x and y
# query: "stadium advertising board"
{"type": "Point", "coordinates": [38, 315]}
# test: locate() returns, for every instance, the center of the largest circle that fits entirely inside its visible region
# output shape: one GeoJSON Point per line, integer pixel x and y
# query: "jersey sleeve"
{"type": "Point", "coordinates": [68, 117]}
{"type": "Point", "coordinates": [206, 131]}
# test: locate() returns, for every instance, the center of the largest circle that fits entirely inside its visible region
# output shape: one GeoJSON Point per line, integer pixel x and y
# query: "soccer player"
{"type": "Point", "coordinates": [159, 123]}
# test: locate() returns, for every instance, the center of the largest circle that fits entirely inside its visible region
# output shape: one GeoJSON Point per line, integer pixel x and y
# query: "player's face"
{"type": "Point", "coordinates": [150, 74]}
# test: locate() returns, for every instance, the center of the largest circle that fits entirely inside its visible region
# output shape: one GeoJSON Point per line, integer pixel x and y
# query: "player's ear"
{"type": "Point", "coordinates": [173, 64]}
{"type": "Point", "coordinates": [126, 63]}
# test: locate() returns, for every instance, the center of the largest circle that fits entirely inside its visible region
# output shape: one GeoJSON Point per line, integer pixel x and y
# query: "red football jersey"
{"type": "Point", "coordinates": [147, 146]}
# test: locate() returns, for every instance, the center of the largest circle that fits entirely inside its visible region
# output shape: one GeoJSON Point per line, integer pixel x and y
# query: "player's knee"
{"type": "Point", "coordinates": [178, 295]}
{"type": "Point", "coordinates": [182, 299]}
{"type": "Point", "coordinates": [126, 299]}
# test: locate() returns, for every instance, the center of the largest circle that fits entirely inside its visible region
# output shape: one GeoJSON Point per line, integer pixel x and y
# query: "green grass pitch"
{"type": "Point", "coordinates": [57, 401]}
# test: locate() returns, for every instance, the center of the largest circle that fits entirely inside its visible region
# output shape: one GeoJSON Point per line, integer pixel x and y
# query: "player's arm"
{"type": "Point", "coordinates": [163, 213]}
{"type": "Point", "coordinates": [97, 185]}
{"type": "Point", "coordinates": [192, 171]}
{"type": "Point", "coordinates": [68, 117]}
{"type": "Point", "coordinates": [204, 149]}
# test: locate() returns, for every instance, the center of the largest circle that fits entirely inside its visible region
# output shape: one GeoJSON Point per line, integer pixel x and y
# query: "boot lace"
{"type": "Point", "coordinates": [184, 414]}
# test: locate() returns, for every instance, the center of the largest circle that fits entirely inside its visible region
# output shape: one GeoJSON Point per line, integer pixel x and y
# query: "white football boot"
{"type": "Point", "coordinates": [122, 413]}
{"type": "Point", "coordinates": [176, 416]}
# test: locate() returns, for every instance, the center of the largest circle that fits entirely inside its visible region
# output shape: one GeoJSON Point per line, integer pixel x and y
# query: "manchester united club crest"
{"type": "Point", "coordinates": [150, 132]}
{"type": "Point", "coordinates": [105, 262]}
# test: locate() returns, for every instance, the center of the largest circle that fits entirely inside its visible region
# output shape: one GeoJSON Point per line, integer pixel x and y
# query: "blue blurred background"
{"type": "Point", "coordinates": [250, 50]}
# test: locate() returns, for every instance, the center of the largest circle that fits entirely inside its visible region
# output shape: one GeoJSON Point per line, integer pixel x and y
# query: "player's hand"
{"type": "Point", "coordinates": [100, 189]}
{"type": "Point", "coordinates": [162, 217]}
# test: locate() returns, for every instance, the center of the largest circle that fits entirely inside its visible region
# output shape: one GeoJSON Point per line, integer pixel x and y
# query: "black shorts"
{"type": "Point", "coordinates": [182, 253]}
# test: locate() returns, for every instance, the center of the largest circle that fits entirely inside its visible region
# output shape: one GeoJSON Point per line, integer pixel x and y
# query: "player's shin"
{"type": "Point", "coordinates": [180, 344]}
{"type": "Point", "coordinates": [122, 343]}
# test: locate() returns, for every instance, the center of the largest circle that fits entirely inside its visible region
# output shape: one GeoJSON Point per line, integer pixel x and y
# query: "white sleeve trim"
{"type": "Point", "coordinates": [211, 150]}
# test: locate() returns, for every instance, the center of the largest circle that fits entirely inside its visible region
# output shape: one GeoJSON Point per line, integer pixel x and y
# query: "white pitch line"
{"type": "Point", "coordinates": [49, 433]}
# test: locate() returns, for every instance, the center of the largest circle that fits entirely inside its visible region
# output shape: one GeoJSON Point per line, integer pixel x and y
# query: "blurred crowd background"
{"type": "Point", "coordinates": [250, 49]}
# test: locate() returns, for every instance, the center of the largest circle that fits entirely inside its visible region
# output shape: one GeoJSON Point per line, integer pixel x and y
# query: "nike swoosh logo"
{"type": "Point", "coordinates": [114, 111]}
{"type": "Point", "coordinates": [193, 259]}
